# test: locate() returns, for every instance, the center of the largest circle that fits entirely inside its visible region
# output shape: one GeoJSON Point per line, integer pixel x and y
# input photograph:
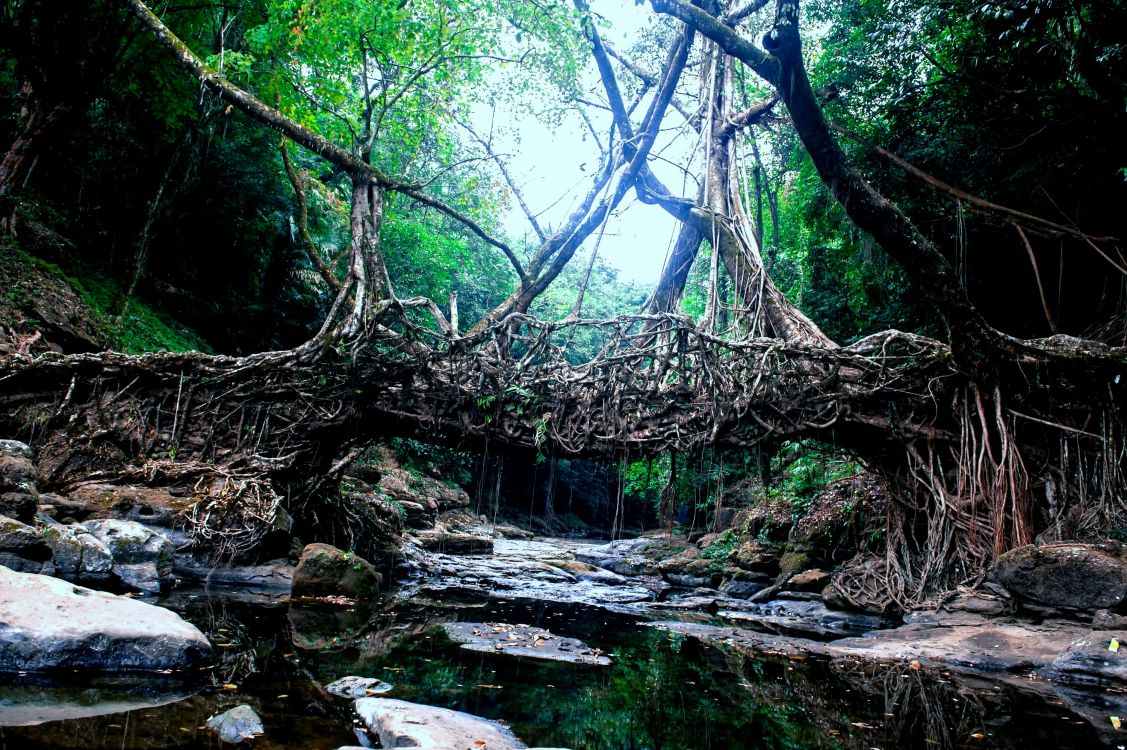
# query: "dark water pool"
{"type": "Point", "coordinates": [662, 692]}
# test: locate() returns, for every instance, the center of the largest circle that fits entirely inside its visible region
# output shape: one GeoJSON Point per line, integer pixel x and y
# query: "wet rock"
{"type": "Point", "coordinates": [15, 449]}
{"type": "Point", "coordinates": [524, 641]}
{"type": "Point", "coordinates": [17, 474]}
{"type": "Point", "coordinates": [276, 575]}
{"type": "Point", "coordinates": [803, 618]}
{"type": "Point", "coordinates": [147, 505]}
{"type": "Point", "coordinates": [741, 589]}
{"type": "Point", "coordinates": [624, 556]}
{"type": "Point", "coordinates": [77, 554]}
{"type": "Point", "coordinates": [23, 541]}
{"type": "Point", "coordinates": [1071, 576]}
{"type": "Point", "coordinates": [324, 570]}
{"type": "Point", "coordinates": [587, 572]}
{"type": "Point", "coordinates": [47, 623]}
{"type": "Point", "coordinates": [535, 570]}
{"type": "Point", "coordinates": [809, 580]}
{"type": "Point", "coordinates": [792, 563]}
{"type": "Point", "coordinates": [236, 725]}
{"type": "Point", "coordinates": [19, 505]}
{"type": "Point", "coordinates": [1090, 661]}
{"type": "Point", "coordinates": [416, 515]}
{"type": "Point", "coordinates": [454, 543]}
{"type": "Point", "coordinates": [403, 724]}
{"type": "Point", "coordinates": [142, 558]}
{"type": "Point", "coordinates": [979, 602]}
{"type": "Point", "coordinates": [755, 556]}
{"type": "Point", "coordinates": [1105, 620]}
{"type": "Point", "coordinates": [511, 532]}
{"type": "Point", "coordinates": [358, 687]}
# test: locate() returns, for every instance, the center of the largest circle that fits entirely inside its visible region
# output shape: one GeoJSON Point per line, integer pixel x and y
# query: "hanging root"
{"type": "Point", "coordinates": [232, 515]}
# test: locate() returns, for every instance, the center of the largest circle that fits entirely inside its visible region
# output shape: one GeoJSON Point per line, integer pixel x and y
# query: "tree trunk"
{"type": "Point", "coordinates": [42, 118]}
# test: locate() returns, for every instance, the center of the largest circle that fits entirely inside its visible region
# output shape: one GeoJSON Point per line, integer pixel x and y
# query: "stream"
{"type": "Point", "coordinates": [662, 691]}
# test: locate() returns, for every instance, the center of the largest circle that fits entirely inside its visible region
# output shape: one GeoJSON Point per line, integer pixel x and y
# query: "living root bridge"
{"type": "Point", "coordinates": [665, 386]}
{"type": "Point", "coordinates": [976, 469]}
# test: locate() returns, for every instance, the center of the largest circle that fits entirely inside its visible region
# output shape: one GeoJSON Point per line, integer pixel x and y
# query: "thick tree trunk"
{"type": "Point", "coordinates": [41, 120]}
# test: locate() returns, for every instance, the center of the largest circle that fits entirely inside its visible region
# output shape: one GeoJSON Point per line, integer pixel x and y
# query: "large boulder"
{"type": "Point", "coordinates": [441, 539]}
{"type": "Point", "coordinates": [142, 557]}
{"type": "Point", "coordinates": [21, 546]}
{"type": "Point", "coordinates": [325, 570]}
{"type": "Point", "coordinates": [19, 497]}
{"type": "Point", "coordinates": [1090, 661]}
{"type": "Point", "coordinates": [49, 624]}
{"type": "Point", "coordinates": [1069, 576]}
{"type": "Point", "coordinates": [404, 724]}
{"type": "Point", "coordinates": [78, 555]}
{"type": "Point", "coordinates": [15, 449]}
{"type": "Point", "coordinates": [148, 505]}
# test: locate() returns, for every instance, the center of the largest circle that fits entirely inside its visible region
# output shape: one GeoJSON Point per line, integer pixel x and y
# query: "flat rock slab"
{"type": "Point", "coordinates": [358, 687]}
{"type": "Point", "coordinates": [404, 724]}
{"type": "Point", "coordinates": [523, 640]}
{"type": "Point", "coordinates": [966, 642]}
{"type": "Point", "coordinates": [47, 623]}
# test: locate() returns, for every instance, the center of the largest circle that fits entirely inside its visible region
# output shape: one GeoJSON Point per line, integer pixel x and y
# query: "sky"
{"type": "Point", "coordinates": [554, 168]}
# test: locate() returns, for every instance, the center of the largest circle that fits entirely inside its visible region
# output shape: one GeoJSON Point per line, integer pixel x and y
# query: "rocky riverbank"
{"type": "Point", "coordinates": [1048, 619]}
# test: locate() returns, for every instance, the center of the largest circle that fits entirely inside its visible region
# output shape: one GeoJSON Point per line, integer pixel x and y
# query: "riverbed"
{"type": "Point", "coordinates": [662, 690]}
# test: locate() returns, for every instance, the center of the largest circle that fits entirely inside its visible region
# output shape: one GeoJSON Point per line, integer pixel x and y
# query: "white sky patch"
{"type": "Point", "coordinates": [554, 168]}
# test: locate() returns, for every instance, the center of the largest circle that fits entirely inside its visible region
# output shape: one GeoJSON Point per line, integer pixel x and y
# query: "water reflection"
{"type": "Point", "coordinates": [663, 692]}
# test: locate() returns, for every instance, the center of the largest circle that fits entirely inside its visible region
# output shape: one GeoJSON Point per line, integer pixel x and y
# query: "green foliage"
{"type": "Point", "coordinates": [454, 468]}
{"type": "Point", "coordinates": [804, 469]}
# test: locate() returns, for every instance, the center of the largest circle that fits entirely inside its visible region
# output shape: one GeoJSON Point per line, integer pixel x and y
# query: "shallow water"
{"type": "Point", "coordinates": [661, 693]}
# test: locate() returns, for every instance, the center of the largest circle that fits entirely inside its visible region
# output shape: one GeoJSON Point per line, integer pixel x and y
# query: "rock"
{"type": "Point", "coordinates": [275, 575]}
{"type": "Point", "coordinates": [47, 623]}
{"type": "Point", "coordinates": [624, 556]}
{"type": "Point", "coordinates": [524, 641]}
{"type": "Point", "coordinates": [979, 602]}
{"type": "Point", "coordinates": [403, 724]}
{"type": "Point", "coordinates": [416, 515]}
{"type": "Point", "coordinates": [23, 541]}
{"type": "Point", "coordinates": [77, 554]}
{"type": "Point", "coordinates": [741, 589]}
{"type": "Point", "coordinates": [147, 505]}
{"type": "Point", "coordinates": [809, 580]}
{"type": "Point", "coordinates": [324, 570]}
{"type": "Point", "coordinates": [708, 540]}
{"type": "Point", "coordinates": [142, 558]}
{"type": "Point", "coordinates": [1071, 575]}
{"type": "Point", "coordinates": [1088, 661]}
{"type": "Point", "coordinates": [803, 618]}
{"type": "Point", "coordinates": [1104, 620]}
{"type": "Point", "coordinates": [756, 557]}
{"type": "Point", "coordinates": [511, 532]}
{"type": "Point", "coordinates": [358, 687]}
{"type": "Point", "coordinates": [792, 563]}
{"type": "Point", "coordinates": [17, 474]}
{"type": "Point", "coordinates": [454, 543]}
{"type": "Point", "coordinates": [15, 449]}
{"type": "Point", "coordinates": [238, 724]}
{"type": "Point", "coordinates": [21, 506]}
{"type": "Point", "coordinates": [587, 572]}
